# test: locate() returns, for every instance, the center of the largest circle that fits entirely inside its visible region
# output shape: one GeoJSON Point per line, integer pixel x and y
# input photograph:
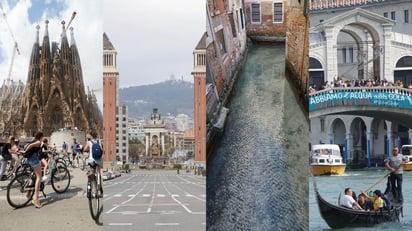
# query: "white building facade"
{"type": "Point", "coordinates": [360, 40]}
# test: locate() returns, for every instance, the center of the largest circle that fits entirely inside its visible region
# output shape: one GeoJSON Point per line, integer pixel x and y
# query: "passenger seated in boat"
{"type": "Point", "coordinates": [347, 200]}
{"type": "Point", "coordinates": [365, 203]}
{"type": "Point", "coordinates": [325, 152]}
{"type": "Point", "coordinates": [376, 199]}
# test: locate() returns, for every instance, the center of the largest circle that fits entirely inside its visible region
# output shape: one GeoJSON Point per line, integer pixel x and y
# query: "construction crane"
{"type": "Point", "coordinates": [15, 46]}
{"type": "Point", "coordinates": [70, 21]}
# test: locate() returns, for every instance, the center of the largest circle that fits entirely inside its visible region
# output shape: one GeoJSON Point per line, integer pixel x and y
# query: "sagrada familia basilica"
{"type": "Point", "coordinates": [54, 95]}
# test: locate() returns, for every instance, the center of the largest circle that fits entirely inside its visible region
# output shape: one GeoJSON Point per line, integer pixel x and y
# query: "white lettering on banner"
{"type": "Point", "coordinates": [359, 98]}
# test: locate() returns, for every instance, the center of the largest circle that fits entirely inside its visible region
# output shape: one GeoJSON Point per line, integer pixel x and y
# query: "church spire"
{"type": "Point", "coordinates": [63, 29]}
{"type": "Point", "coordinates": [37, 34]}
{"type": "Point", "coordinates": [72, 41]}
{"type": "Point", "coordinates": [46, 30]}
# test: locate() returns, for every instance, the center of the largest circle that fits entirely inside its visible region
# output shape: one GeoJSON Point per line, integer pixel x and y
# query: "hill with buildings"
{"type": "Point", "coordinates": [171, 96]}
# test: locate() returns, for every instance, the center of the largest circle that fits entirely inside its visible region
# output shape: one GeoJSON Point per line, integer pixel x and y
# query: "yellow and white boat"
{"type": "Point", "coordinates": [406, 150]}
{"type": "Point", "coordinates": [326, 159]}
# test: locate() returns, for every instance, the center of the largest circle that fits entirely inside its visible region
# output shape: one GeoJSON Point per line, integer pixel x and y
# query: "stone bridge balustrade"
{"type": "Point", "coordinates": [389, 103]}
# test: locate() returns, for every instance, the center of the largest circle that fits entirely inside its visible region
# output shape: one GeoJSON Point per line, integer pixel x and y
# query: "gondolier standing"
{"type": "Point", "coordinates": [394, 164]}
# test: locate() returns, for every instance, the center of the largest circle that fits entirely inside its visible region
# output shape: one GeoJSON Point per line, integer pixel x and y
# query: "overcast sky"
{"type": "Point", "coordinates": [24, 15]}
{"type": "Point", "coordinates": [154, 39]}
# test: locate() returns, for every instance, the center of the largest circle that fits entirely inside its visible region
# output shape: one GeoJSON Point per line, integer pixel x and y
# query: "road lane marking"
{"type": "Point", "coordinates": [153, 197]}
{"type": "Point", "coordinates": [161, 195]}
{"type": "Point", "coordinates": [117, 224]}
{"type": "Point", "coordinates": [177, 201]}
{"type": "Point", "coordinates": [166, 224]}
{"type": "Point", "coordinates": [145, 195]}
{"type": "Point", "coordinates": [111, 210]}
{"type": "Point", "coordinates": [133, 196]}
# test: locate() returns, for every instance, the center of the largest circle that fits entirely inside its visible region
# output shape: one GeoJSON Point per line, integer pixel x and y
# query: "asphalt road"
{"type": "Point", "coordinates": [155, 200]}
{"type": "Point", "coordinates": [67, 211]}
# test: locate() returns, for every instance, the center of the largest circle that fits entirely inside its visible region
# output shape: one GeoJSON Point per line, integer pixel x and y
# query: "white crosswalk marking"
{"type": "Point", "coordinates": [159, 195]}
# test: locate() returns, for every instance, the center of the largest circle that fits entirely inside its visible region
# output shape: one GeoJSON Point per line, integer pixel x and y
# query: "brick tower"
{"type": "Point", "coordinates": [199, 75]}
{"type": "Point", "coordinates": [110, 102]}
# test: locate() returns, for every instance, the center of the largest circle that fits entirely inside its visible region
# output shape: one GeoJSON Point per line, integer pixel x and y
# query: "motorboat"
{"type": "Point", "coordinates": [326, 159]}
{"type": "Point", "coordinates": [406, 150]}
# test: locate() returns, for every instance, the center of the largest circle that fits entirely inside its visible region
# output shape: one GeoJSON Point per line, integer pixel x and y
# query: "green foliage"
{"type": "Point", "coordinates": [177, 166]}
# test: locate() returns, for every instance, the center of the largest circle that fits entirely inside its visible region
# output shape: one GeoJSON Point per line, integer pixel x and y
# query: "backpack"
{"type": "Point", "coordinates": [387, 203]}
{"type": "Point", "coordinates": [96, 150]}
{"type": "Point", "coordinates": [28, 154]}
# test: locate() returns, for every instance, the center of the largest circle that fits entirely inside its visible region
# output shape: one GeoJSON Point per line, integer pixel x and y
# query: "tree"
{"type": "Point", "coordinates": [136, 148]}
{"type": "Point", "coordinates": [189, 155]}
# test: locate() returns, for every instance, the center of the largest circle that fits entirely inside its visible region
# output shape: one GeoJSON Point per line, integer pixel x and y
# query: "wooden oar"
{"type": "Point", "coordinates": [377, 182]}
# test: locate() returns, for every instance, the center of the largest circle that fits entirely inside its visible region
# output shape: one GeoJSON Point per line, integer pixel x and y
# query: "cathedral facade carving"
{"type": "Point", "coordinates": [54, 96]}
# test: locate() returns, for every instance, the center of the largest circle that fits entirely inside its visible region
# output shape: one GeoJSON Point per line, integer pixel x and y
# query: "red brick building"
{"type": "Point", "coordinates": [199, 75]}
{"type": "Point", "coordinates": [110, 99]}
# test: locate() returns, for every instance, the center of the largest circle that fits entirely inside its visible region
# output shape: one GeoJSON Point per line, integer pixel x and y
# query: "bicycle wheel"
{"type": "Point", "coordinates": [94, 200]}
{"type": "Point", "coordinates": [20, 190]}
{"type": "Point", "coordinates": [60, 180]}
{"type": "Point", "coordinates": [61, 160]}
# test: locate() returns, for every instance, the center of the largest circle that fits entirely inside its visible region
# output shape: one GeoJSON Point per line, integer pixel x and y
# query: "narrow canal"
{"type": "Point", "coordinates": [257, 179]}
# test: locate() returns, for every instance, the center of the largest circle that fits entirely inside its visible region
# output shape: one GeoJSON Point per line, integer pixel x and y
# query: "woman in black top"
{"type": "Point", "coordinates": [34, 162]}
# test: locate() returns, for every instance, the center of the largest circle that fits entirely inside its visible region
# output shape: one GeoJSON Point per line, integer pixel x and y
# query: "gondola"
{"type": "Point", "coordinates": [341, 217]}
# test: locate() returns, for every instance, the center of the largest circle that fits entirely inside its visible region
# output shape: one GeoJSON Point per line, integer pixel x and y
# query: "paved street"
{"type": "Point", "coordinates": [67, 211]}
{"type": "Point", "coordinates": [155, 200]}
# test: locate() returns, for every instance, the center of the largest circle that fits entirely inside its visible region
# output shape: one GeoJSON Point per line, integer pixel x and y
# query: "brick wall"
{"type": "Point", "coordinates": [298, 49]}
{"type": "Point", "coordinates": [266, 27]}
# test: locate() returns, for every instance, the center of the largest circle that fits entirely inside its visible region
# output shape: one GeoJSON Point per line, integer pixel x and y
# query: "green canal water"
{"type": "Point", "coordinates": [257, 179]}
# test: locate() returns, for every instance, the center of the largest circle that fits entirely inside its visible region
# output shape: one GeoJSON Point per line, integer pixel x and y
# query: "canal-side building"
{"type": "Point", "coordinates": [230, 25]}
{"type": "Point", "coordinates": [360, 43]}
{"type": "Point", "coordinates": [283, 21]}
{"type": "Point", "coordinates": [226, 44]}
{"type": "Point", "coordinates": [360, 40]}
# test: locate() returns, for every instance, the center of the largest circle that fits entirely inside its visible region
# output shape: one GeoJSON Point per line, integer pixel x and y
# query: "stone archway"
{"type": "Point", "coordinates": [339, 132]}
{"type": "Point", "coordinates": [371, 33]}
{"type": "Point", "coordinates": [377, 139]}
{"type": "Point", "coordinates": [403, 71]}
{"type": "Point", "coordinates": [316, 73]}
{"type": "Point", "coordinates": [358, 149]}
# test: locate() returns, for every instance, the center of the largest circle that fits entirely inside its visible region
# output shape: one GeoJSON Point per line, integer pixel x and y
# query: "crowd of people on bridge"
{"type": "Point", "coordinates": [339, 82]}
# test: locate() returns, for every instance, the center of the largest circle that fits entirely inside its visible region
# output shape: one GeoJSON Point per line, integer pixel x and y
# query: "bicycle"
{"type": "Point", "coordinates": [67, 160]}
{"type": "Point", "coordinates": [20, 190]}
{"type": "Point", "coordinates": [80, 157]}
{"type": "Point", "coordinates": [95, 191]}
{"type": "Point", "coordinates": [18, 167]}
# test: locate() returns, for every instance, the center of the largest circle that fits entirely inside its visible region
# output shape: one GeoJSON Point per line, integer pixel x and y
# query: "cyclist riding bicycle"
{"type": "Point", "coordinates": [92, 138]}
